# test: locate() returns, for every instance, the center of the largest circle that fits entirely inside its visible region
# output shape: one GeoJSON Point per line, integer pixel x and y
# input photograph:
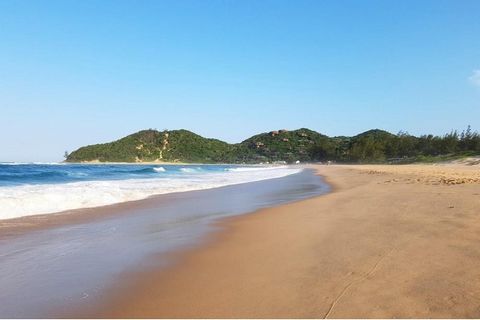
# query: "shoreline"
{"type": "Point", "coordinates": [372, 247]}
{"type": "Point", "coordinates": [35, 222]}
{"type": "Point", "coordinates": [29, 217]}
{"type": "Point", "coordinates": [183, 163]}
{"type": "Point", "coordinates": [42, 221]}
{"type": "Point", "coordinates": [78, 255]}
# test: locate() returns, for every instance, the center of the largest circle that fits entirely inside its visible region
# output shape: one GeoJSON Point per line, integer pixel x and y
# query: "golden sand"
{"type": "Point", "coordinates": [389, 241]}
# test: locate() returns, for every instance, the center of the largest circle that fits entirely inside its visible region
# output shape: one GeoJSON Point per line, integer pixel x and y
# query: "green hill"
{"type": "Point", "coordinates": [152, 145]}
{"type": "Point", "coordinates": [185, 146]}
{"type": "Point", "coordinates": [283, 145]}
{"type": "Point", "coordinates": [370, 146]}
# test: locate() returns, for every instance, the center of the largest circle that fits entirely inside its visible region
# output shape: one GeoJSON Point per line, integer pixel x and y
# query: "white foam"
{"type": "Point", "coordinates": [27, 200]}
{"type": "Point", "coordinates": [256, 168]}
{"type": "Point", "coordinates": [159, 169]}
{"type": "Point", "coordinates": [14, 163]}
{"type": "Point", "coordinates": [50, 163]}
{"type": "Point", "coordinates": [189, 170]}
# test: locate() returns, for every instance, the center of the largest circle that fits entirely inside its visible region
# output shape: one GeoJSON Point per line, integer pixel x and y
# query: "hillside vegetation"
{"type": "Point", "coordinates": [290, 146]}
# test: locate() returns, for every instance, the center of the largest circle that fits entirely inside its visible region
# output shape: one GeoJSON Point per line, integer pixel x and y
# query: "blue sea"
{"type": "Point", "coordinates": [70, 264]}
{"type": "Point", "coordinates": [40, 188]}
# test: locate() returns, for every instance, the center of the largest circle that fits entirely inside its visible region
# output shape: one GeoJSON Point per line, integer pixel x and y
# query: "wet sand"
{"type": "Point", "coordinates": [389, 241]}
{"type": "Point", "coordinates": [53, 263]}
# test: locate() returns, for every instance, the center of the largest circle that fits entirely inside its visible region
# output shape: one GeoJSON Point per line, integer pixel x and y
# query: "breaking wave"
{"type": "Point", "coordinates": [83, 188]}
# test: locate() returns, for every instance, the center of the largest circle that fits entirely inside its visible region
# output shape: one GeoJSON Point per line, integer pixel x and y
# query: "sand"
{"type": "Point", "coordinates": [389, 241]}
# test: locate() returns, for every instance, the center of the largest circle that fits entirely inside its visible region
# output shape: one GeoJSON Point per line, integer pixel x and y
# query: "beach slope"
{"type": "Point", "coordinates": [388, 241]}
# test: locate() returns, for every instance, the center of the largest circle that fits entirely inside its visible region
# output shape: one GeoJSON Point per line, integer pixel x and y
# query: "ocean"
{"type": "Point", "coordinates": [40, 188]}
{"type": "Point", "coordinates": [56, 267]}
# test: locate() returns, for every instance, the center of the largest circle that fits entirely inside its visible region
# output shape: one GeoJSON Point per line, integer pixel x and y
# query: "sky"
{"type": "Point", "coordinates": [74, 73]}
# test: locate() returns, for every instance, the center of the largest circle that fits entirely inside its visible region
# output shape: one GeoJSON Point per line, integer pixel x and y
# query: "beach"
{"type": "Point", "coordinates": [388, 241]}
{"type": "Point", "coordinates": [54, 263]}
{"type": "Point", "coordinates": [239, 159]}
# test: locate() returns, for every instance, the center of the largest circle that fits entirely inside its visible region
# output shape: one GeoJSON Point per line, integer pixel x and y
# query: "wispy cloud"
{"type": "Point", "coordinates": [475, 78]}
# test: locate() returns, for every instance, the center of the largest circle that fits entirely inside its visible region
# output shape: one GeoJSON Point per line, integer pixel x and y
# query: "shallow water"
{"type": "Point", "coordinates": [29, 189]}
{"type": "Point", "coordinates": [56, 268]}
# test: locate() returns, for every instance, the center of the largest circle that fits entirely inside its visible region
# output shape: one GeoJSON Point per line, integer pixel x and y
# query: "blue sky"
{"type": "Point", "coordinates": [80, 72]}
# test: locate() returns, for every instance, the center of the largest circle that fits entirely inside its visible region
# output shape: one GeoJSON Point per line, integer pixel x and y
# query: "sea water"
{"type": "Point", "coordinates": [46, 272]}
{"type": "Point", "coordinates": [33, 188]}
